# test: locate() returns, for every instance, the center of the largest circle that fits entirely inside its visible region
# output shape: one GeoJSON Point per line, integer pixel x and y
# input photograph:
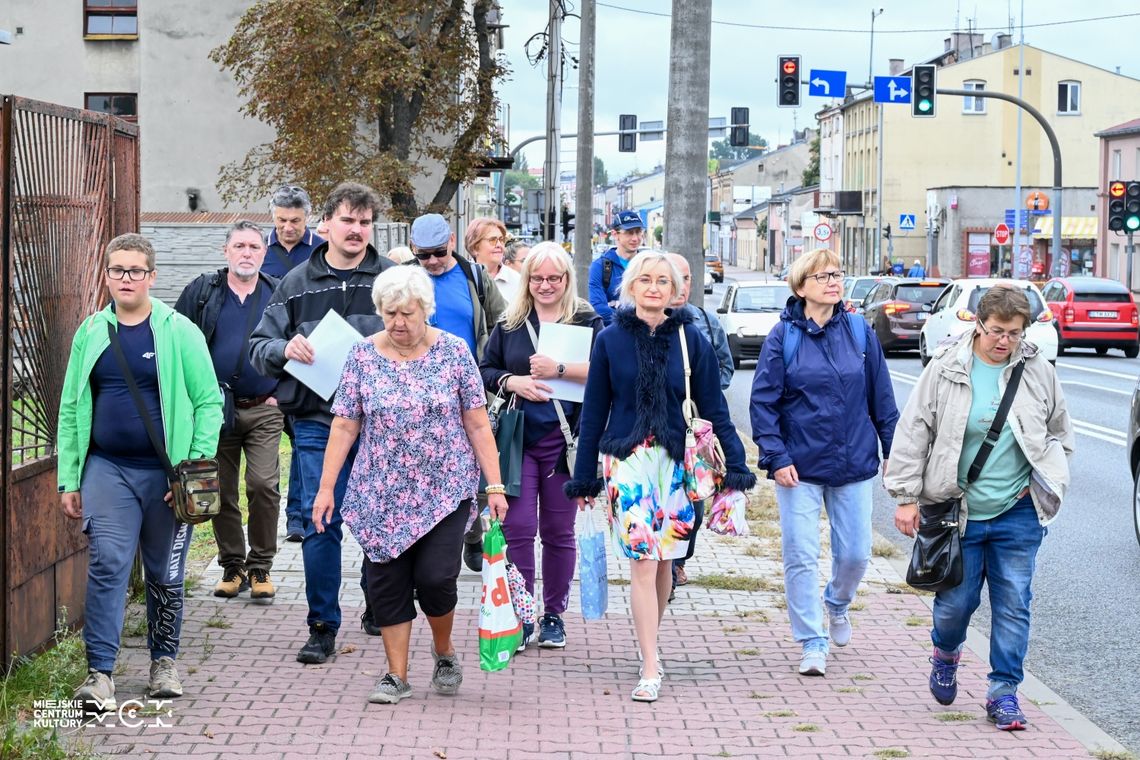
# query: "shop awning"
{"type": "Point", "coordinates": [1072, 228]}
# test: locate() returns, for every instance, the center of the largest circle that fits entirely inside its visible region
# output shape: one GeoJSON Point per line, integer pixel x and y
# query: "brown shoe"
{"type": "Point", "coordinates": [233, 582]}
{"type": "Point", "coordinates": [260, 587]}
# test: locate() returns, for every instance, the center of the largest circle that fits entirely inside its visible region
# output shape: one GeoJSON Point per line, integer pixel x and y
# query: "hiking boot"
{"type": "Point", "coordinates": [260, 587]}
{"type": "Point", "coordinates": [944, 676]}
{"type": "Point", "coordinates": [1005, 713]}
{"type": "Point", "coordinates": [390, 690]}
{"type": "Point", "coordinates": [97, 693]}
{"type": "Point", "coordinates": [813, 661]}
{"type": "Point", "coordinates": [164, 682]}
{"type": "Point", "coordinates": [839, 627]}
{"type": "Point", "coordinates": [527, 637]}
{"type": "Point", "coordinates": [551, 632]}
{"type": "Point", "coordinates": [473, 556]}
{"type": "Point", "coordinates": [233, 582]}
{"type": "Point", "coordinates": [321, 646]}
{"type": "Point", "coordinates": [447, 675]}
{"type": "Point", "coordinates": [366, 623]}
{"type": "Point", "coordinates": [294, 531]}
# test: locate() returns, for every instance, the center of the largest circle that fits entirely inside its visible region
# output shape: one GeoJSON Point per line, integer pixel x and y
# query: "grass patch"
{"type": "Point", "coordinates": [748, 652]}
{"type": "Point", "coordinates": [863, 677]}
{"type": "Point", "coordinates": [723, 753]}
{"type": "Point", "coordinates": [758, 695]}
{"type": "Point", "coordinates": [856, 606]}
{"type": "Point", "coordinates": [618, 581]}
{"type": "Point", "coordinates": [890, 752]}
{"type": "Point", "coordinates": [805, 728]}
{"type": "Point", "coordinates": [850, 689]}
{"type": "Point", "coordinates": [754, 550]}
{"type": "Point", "coordinates": [758, 615]}
{"type": "Point", "coordinates": [135, 623]}
{"type": "Point", "coordinates": [953, 717]}
{"type": "Point", "coordinates": [915, 620]}
{"type": "Point", "coordinates": [779, 714]}
{"type": "Point", "coordinates": [734, 582]}
{"type": "Point", "coordinates": [734, 629]}
{"type": "Point", "coordinates": [218, 620]}
{"type": "Point", "coordinates": [1112, 754]}
{"type": "Point", "coordinates": [881, 547]}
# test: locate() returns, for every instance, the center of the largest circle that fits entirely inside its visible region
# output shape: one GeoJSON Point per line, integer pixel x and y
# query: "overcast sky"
{"type": "Point", "coordinates": [632, 69]}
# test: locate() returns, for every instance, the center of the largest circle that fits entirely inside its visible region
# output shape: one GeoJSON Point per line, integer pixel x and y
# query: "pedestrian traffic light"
{"type": "Point", "coordinates": [738, 128]}
{"type": "Point", "coordinates": [567, 223]}
{"type": "Point", "coordinates": [788, 76]}
{"type": "Point", "coordinates": [627, 129]}
{"type": "Point", "coordinates": [1116, 203]}
{"type": "Point", "coordinates": [922, 89]}
{"type": "Point", "coordinates": [1132, 207]}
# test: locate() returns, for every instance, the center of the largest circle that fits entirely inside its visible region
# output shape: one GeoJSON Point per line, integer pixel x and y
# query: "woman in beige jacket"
{"type": "Point", "coordinates": [1018, 492]}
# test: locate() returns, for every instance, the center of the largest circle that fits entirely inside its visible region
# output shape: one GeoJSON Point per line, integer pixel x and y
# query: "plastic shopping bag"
{"type": "Point", "coordinates": [728, 514]}
{"type": "Point", "coordinates": [592, 566]}
{"type": "Point", "coordinates": [500, 631]}
{"type": "Point", "coordinates": [521, 599]}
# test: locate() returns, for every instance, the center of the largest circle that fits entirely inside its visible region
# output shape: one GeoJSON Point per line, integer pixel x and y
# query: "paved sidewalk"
{"type": "Point", "coordinates": [730, 690]}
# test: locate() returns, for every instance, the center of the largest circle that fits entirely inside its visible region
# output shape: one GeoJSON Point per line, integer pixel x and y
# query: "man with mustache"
{"type": "Point", "coordinates": [235, 297]}
{"type": "Point", "coordinates": [337, 277]}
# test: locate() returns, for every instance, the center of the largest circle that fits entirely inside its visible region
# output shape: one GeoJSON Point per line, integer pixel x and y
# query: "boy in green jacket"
{"type": "Point", "coordinates": [111, 476]}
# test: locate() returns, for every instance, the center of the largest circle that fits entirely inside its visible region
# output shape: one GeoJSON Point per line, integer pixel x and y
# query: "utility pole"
{"type": "Point", "coordinates": [686, 146]}
{"type": "Point", "coordinates": [550, 168]}
{"type": "Point", "coordinates": [584, 176]}
{"type": "Point", "coordinates": [1018, 238]}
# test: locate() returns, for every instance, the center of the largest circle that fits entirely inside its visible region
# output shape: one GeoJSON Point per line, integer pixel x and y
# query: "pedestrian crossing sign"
{"type": "Point", "coordinates": [906, 221]}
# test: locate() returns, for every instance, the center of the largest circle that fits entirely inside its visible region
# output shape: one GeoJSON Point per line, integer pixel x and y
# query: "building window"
{"type": "Point", "coordinates": [110, 18]}
{"type": "Point", "coordinates": [1069, 97]}
{"type": "Point", "coordinates": [125, 105]}
{"type": "Point", "coordinates": [1113, 260]}
{"type": "Point", "coordinates": [1115, 172]}
{"type": "Point", "coordinates": [973, 104]}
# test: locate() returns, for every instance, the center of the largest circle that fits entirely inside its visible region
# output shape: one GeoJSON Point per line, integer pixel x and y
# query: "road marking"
{"type": "Point", "coordinates": [1097, 387]}
{"type": "Point", "coordinates": [903, 378]}
{"type": "Point", "coordinates": [1078, 367]}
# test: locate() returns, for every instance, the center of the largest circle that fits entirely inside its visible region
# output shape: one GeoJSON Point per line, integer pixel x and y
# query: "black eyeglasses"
{"type": "Point", "coordinates": [438, 253]}
{"type": "Point", "coordinates": [134, 275]}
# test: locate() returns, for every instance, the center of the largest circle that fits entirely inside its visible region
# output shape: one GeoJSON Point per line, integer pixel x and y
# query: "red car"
{"type": "Point", "coordinates": [1093, 312]}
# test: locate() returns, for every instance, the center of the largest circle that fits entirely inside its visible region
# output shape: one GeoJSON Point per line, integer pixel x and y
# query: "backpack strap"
{"type": "Point", "coordinates": [793, 334]}
{"type": "Point", "coordinates": [858, 327]}
{"type": "Point", "coordinates": [607, 275]}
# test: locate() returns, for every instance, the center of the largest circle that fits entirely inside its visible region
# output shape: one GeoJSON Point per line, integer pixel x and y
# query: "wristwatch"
{"type": "Point", "coordinates": [561, 369]}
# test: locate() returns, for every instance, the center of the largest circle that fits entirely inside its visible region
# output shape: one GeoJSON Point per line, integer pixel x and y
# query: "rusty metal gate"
{"type": "Point", "coordinates": [68, 184]}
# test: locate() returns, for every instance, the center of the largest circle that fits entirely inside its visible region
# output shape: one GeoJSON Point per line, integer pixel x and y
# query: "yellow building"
{"type": "Point", "coordinates": [973, 142]}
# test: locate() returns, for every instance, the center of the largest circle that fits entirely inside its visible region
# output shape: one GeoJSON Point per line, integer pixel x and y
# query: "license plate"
{"type": "Point", "coordinates": [922, 316]}
{"type": "Point", "coordinates": [1102, 314]}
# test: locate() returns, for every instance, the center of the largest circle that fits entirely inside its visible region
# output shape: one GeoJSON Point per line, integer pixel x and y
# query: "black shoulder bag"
{"type": "Point", "coordinates": [936, 561]}
{"type": "Point", "coordinates": [196, 497]}
{"type": "Point", "coordinates": [229, 406]}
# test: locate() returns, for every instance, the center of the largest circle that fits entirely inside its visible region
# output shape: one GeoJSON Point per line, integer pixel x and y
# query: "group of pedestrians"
{"type": "Point", "coordinates": [397, 453]}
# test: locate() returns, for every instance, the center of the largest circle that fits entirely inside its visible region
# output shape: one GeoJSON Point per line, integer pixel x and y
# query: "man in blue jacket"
{"type": "Point", "coordinates": [606, 271]}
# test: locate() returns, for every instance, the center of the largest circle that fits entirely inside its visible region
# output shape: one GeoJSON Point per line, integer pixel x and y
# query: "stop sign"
{"type": "Point", "coordinates": [1001, 234]}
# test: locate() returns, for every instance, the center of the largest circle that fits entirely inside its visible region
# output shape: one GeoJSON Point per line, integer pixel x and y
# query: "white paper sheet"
{"type": "Point", "coordinates": [332, 339]}
{"type": "Point", "coordinates": [565, 344]}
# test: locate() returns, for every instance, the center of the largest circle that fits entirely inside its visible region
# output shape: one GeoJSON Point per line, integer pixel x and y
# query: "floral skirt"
{"type": "Point", "coordinates": [650, 515]}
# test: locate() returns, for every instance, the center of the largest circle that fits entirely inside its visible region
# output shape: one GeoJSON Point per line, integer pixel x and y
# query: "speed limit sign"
{"type": "Point", "coordinates": [822, 232]}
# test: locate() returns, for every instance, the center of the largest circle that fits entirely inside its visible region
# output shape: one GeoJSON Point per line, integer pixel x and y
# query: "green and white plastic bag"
{"type": "Point", "coordinates": [500, 631]}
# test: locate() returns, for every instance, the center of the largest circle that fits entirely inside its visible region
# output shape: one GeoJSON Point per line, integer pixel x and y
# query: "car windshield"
{"type": "Point", "coordinates": [919, 294]}
{"type": "Point", "coordinates": [860, 289]}
{"type": "Point", "coordinates": [1036, 306]}
{"type": "Point", "coordinates": [1099, 291]}
{"type": "Point", "coordinates": [761, 299]}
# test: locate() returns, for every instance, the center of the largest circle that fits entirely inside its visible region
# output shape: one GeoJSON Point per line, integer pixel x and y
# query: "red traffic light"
{"type": "Point", "coordinates": [1116, 189]}
{"type": "Point", "coordinates": [790, 66]}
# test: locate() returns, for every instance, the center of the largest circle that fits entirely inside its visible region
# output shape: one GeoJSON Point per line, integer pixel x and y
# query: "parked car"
{"type": "Point", "coordinates": [897, 307]}
{"type": "Point", "coordinates": [1134, 457]}
{"type": "Point", "coordinates": [748, 312]}
{"type": "Point", "coordinates": [1093, 312]}
{"type": "Point", "coordinates": [708, 281]}
{"type": "Point", "coordinates": [954, 312]}
{"type": "Point", "coordinates": [715, 265]}
{"type": "Point", "coordinates": [855, 289]}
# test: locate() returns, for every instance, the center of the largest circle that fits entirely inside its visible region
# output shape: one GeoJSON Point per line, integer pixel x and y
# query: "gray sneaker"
{"type": "Point", "coordinates": [839, 626]}
{"type": "Point", "coordinates": [390, 690]}
{"type": "Point", "coordinates": [447, 675]}
{"type": "Point", "coordinates": [813, 662]}
{"type": "Point", "coordinates": [97, 693]}
{"type": "Point", "coordinates": [164, 682]}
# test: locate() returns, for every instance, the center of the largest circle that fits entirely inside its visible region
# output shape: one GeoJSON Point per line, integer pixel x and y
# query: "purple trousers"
{"type": "Point", "coordinates": [542, 509]}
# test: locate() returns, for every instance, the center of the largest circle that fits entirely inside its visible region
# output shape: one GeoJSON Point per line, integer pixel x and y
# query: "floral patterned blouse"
{"type": "Point", "coordinates": [414, 464]}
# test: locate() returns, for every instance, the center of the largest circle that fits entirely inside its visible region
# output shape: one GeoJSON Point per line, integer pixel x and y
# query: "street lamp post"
{"type": "Point", "coordinates": [879, 134]}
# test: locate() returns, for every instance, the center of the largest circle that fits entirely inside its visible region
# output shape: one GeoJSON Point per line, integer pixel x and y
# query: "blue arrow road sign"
{"type": "Point", "coordinates": [906, 221]}
{"type": "Point", "coordinates": [892, 89]}
{"type": "Point", "coordinates": [827, 84]}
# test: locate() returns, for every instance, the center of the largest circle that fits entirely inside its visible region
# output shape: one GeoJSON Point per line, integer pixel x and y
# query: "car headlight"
{"type": "Point", "coordinates": [747, 332]}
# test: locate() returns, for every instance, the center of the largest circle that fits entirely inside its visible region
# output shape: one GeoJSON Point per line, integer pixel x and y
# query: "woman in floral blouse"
{"type": "Point", "coordinates": [413, 395]}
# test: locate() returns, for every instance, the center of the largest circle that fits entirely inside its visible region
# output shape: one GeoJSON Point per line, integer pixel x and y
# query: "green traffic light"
{"type": "Point", "coordinates": [1132, 223]}
{"type": "Point", "coordinates": [924, 105]}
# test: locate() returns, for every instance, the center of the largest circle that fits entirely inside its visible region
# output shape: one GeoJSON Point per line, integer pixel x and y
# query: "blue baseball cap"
{"type": "Point", "coordinates": [430, 231]}
{"type": "Point", "coordinates": [627, 220]}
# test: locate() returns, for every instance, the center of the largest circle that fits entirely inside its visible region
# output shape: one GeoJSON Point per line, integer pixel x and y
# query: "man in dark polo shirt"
{"type": "Point", "coordinates": [226, 305]}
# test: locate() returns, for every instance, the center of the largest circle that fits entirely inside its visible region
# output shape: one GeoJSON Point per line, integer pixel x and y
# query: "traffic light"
{"type": "Point", "coordinates": [887, 231]}
{"type": "Point", "coordinates": [1132, 207]}
{"type": "Point", "coordinates": [567, 223]}
{"type": "Point", "coordinates": [738, 128]}
{"type": "Point", "coordinates": [627, 127]}
{"type": "Point", "coordinates": [788, 76]}
{"type": "Point", "coordinates": [923, 84]}
{"type": "Point", "coordinates": [1116, 203]}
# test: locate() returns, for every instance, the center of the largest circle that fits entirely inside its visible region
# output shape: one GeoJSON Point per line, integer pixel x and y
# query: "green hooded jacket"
{"type": "Point", "coordinates": [188, 391]}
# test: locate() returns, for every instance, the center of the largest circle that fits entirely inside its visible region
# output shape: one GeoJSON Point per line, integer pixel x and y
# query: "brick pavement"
{"type": "Point", "coordinates": [731, 689]}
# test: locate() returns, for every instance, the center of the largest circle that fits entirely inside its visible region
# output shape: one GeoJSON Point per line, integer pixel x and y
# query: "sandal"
{"type": "Point", "coordinates": [646, 690]}
{"type": "Point", "coordinates": [660, 665]}
{"type": "Point", "coordinates": [682, 577]}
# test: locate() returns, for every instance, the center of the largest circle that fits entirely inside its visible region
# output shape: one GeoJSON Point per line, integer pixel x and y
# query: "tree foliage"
{"type": "Point", "coordinates": [720, 149]}
{"type": "Point", "coordinates": [811, 171]}
{"type": "Point", "coordinates": [601, 176]}
{"type": "Point", "coordinates": [375, 91]}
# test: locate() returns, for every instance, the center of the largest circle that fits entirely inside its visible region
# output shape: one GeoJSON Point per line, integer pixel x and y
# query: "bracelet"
{"type": "Point", "coordinates": [495, 488]}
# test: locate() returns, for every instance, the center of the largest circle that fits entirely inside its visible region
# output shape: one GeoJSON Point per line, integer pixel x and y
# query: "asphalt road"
{"type": "Point", "coordinates": [1086, 606]}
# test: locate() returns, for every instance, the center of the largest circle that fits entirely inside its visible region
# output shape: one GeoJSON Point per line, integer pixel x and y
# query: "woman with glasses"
{"type": "Point", "coordinates": [512, 366]}
{"type": "Point", "coordinates": [822, 405]}
{"type": "Point", "coordinates": [632, 415]}
{"type": "Point", "coordinates": [1015, 494]}
{"type": "Point", "coordinates": [485, 241]}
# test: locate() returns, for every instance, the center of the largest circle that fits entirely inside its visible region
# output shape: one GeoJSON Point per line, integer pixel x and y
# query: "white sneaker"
{"type": "Point", "coordinates": [813, 662]}
{"type": "Point", "coordinates": [839, 626]}
{"type": "Point", "coordinates": [164, 682]}
{"type": "Point", "coordinates": [97, 693]}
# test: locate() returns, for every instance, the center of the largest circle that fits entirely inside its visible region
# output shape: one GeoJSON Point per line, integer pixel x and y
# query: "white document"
{"type": "Point", "coordinates": [565, 344]}
{"type": "Point", "coordinates": [332, 339]}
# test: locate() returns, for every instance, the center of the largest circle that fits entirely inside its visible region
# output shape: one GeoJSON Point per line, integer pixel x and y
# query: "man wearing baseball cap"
{"type": "Point", "coordinates": [606, 271]}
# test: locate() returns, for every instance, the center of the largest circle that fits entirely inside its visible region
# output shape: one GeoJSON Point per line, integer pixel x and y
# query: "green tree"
{"type": "Point", "coordinates": [659, 233]}
{"type": "Point", "coordinates": [811, 171]}
{"type": "Point", "coordinates": [363, 89]}
{"type": "Point", "coordinates": [720, 149]}
{"type": "Point", "coordinates": [601, 177]}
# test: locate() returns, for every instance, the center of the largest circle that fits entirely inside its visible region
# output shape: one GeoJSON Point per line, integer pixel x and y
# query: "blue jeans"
{"type": "Point", "coordinates": [1002, 552]}
{"type": "Point", "coordinates": [321, 551]}
{"type": "Point", "coordinates": [123, 511]}
{"type": "Point", "coordinates": [849, 511]}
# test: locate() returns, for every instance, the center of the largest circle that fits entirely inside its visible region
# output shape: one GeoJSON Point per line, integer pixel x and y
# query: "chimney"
{"type": "Point", "coordinates": [948, 45]}
{"type": "Point", "coordinates": [896, 66]}
{"type": "Point", "coordinates": [1001, 41]}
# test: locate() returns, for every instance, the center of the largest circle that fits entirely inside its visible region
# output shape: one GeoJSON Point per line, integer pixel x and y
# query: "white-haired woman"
{"type": "Point", "coordinates": [511, 364]}
{"type": "Point", "coordinates": [632, 414]}
{"type": "Point", "coordinates": [413, 395]}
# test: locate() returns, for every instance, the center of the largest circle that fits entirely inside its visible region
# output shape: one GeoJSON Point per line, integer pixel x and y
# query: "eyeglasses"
{"type": "Point", "coordinates": [661, 282]}
{"type": "Point", "coordinates": [554, 279]}
{"type": "Point", "coordinates": [823, 277]}
{"type": "Point", "coordinates": [134, 275]}
{"type": "Point", "coordinates": [1013, 336]}
{"type": "Point", "coordinates": [497, 240]}
{"type": "Point", "coordinates": [426, 254]}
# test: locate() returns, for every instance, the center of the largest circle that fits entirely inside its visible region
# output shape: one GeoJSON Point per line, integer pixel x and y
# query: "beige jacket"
{"type": "Point", "coordinates": [928, 439]}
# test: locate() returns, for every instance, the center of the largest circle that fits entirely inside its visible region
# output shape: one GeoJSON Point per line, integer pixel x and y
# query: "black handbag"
{"type": "Point", "coordinates": [936, 560]}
